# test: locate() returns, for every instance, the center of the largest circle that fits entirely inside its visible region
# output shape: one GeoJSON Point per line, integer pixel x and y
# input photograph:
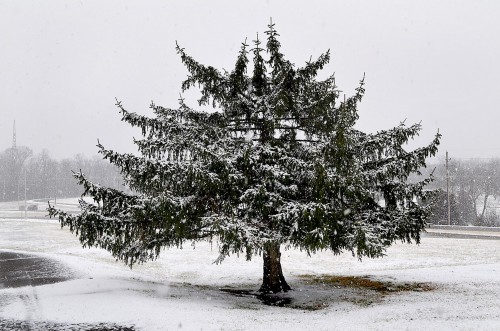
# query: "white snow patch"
{"type": "Point", "coordinates": [180, 289]}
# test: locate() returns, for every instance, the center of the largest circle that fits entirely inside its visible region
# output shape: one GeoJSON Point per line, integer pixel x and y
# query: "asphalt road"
{"type": "Point", "coordinates": [17, 270]}
{"type": "Point", "coordinates": [463, 232]}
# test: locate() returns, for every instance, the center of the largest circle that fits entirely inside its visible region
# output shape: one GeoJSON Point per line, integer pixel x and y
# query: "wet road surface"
{"type": "Point", "coordinates": [6, 325]}
{"type": "Point", "coordinates": [19, 270]}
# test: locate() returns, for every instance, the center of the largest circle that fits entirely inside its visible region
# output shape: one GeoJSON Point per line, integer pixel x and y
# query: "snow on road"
{"type": "Point", "coordinates": [181, 289]}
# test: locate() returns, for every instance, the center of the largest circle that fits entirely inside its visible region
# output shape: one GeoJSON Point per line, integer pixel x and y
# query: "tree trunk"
{"type": "Point", "coordinates": [485, 203]}
{"type": "Point", "coordinates": [273, 280]}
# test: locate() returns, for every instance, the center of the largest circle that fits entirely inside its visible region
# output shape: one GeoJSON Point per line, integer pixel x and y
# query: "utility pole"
{"type": "Point", "coordinates": [14, 150]}
{"type": "Point", "coordinates": [14, 142]}
{"type": "Point", "coordinates": [55, 190]}
{"type": "Point", "coordinates": [14, 147]}
{"type": "Point", "coordinates": [25, 202]}
{"type": "Point", "coordinates": [448, 188]}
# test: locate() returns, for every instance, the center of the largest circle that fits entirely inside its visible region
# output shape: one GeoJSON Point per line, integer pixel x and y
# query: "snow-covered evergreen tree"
{"type": "Point", "coordinates": [278, 163]}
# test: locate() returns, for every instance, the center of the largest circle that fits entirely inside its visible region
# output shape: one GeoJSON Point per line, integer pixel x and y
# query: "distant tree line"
{"type": "Point", "coordinates": [46, 178]}
{"type": "Point", "coordinates": [474, 187]}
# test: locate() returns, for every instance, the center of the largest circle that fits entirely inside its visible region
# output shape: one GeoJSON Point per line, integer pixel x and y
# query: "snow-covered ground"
{"type": "Point", "coordinates": [16, 209]}
{"type": "Point", "coordinates": [181, 290]}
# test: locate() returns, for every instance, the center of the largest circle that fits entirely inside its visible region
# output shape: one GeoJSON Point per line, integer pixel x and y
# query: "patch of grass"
{"type": "Point", "coordinates": [314, 306]}
{"type": "Point", "coordinates": [363, 302]}
{"type": "Point", "coordinates": [366, 283]}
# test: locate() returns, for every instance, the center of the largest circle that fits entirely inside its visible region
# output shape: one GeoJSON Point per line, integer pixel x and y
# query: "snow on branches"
{"type": "Point", "coordinates": [279, 161]}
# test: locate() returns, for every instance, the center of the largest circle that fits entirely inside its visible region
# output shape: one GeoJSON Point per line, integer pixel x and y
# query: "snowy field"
{"type": "Point", "coordinates": [15, 209]}
{"type": "Point", "coordinates": [459, 287]}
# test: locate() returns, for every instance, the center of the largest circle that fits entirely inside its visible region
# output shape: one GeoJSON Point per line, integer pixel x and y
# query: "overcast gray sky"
{"type": "Point", "coordinates": [62, 63]}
